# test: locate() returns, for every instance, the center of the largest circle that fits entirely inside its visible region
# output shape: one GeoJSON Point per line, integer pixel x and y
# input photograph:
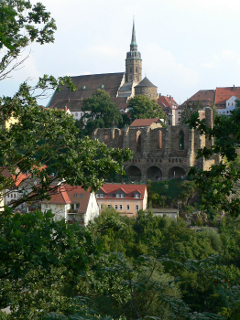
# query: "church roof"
{"type": "Point", "coordinates": [146, 83]}
{"type": "Point", "coordinates": [87, 85]}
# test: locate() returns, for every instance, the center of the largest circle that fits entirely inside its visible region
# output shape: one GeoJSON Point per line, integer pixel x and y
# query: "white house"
{"type": "Point", "coordinates": [230, 106]}
{"type": "Point", "coordinates": [73, 204]}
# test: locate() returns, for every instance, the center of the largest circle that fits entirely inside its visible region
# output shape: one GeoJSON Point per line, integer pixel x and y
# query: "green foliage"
{"type": "Point", "coordinates": [20, 24]}
{"type": "Point", "coordinates": [100, 112]}
{"type": "Point", "coordinates": [172, 192]}
{"type": "Point", "coordinates": [189, 109]}
{"type": "Point", "coordinates": [38, 256]}
{"type": "Point", "coordinates": [41, 143]}
{"type": "Point", "coordinates": [144, 108]}
{"type": "Point", "coordinates": [218, 184]}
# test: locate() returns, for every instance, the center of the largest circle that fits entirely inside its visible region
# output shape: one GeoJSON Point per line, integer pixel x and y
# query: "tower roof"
{"type": "Point", "coordinates": [133, 45]}
{"type": "Point", "coordinates": [146, 83]}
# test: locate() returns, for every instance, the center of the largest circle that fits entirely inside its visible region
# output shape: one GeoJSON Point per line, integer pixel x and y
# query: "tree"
{"type": "Point", "coordinates": [218, 185]}
{"type": "Point", "coordinates": [20, 24]}
{"type": "Point", "coordinates": [40, 258]}
{"type": "Point", "coordinates": [43, 144]}
{"type": "Point", "coordinates": [141, 107]}
{"type": "Point", "coordinates": [100, 112]}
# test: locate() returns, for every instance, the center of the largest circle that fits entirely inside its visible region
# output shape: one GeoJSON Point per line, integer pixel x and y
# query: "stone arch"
{"type": "Point", "coordinates": [181, 140]}
{"type": "Point", "coordinates": [134, 173]}
{"type": "Point", "coordinates": [154, 173]}
{"type": "Point", "coordinates": [176, 172]}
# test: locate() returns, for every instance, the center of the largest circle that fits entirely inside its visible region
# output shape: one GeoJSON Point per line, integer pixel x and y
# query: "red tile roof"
{"type": "Point", "coordinates": [59, 196]}
{"type": "Point", "coordinates": [166, 102]}
{"type": "Point", "coordinates": [223, 94]}
{"type": "Point", "coordinates": [128, 189]}
{"type": "Point", "coordinates": [78, 195]}
{"type": "Point", "coordinates": [144, 122]}
{"type": "Point", "coordinates": [67, 194]}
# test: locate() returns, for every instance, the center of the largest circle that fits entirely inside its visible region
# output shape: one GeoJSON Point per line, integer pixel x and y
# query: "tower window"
{"type": "Point", "coordinates": [130, 69]}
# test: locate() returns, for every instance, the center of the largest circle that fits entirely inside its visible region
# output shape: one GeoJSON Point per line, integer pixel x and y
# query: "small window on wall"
{"type": "Point", "coordinates": [137, 207]}
{"type": "Point", "coordinates": [181, 140]}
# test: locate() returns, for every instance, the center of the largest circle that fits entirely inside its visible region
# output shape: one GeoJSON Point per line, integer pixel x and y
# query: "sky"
{"type": "Point", "coordinates": [186, 45]}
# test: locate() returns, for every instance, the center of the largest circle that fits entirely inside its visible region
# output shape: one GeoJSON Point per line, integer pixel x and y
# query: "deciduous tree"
{"type": "Point", "coordinates": [142, 107]}
{"type": "Point", "coordinates": [100, 112]}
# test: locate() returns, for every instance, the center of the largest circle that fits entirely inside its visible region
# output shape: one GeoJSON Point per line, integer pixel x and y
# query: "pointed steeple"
{"type": "Point", "coordinates": [133, 45]}
{"type": "Point", "coordinates": [133, 60]}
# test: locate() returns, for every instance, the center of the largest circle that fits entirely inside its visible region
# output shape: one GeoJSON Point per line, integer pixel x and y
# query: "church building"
{"type": "Point", "coordinates": [121, 85]}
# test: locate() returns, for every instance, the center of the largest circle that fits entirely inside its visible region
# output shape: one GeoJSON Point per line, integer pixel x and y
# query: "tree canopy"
{"type": "Point", "coordinates": [142, 107]}
{"type": "Point", "coordinates": [40, 143]}
{"type": "Point", "coordinates": [219, 185]}
{"type": "Point", "coordinates": [100, 112]}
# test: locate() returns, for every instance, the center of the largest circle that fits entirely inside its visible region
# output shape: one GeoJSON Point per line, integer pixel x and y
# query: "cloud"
{"type": "Point", "coordinates": [217, 61]}
{"type": "Point", "coordinates": [167, 67]}
{"type": "Point", "coordinates": [102, 50]}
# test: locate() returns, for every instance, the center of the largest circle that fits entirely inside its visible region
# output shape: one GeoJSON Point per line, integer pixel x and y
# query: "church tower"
{"type": "Point", "coordinates": [133, 61]}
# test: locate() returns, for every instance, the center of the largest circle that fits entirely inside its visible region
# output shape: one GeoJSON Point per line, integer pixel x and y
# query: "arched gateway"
{"type": "Point", "coordinates": [134, 173]}
{"type": "Point", "coordinates": [176, 172]}
{"type": "Point", "coordinates": [154, 173]}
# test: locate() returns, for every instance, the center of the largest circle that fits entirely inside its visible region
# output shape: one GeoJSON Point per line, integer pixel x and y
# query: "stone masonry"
{"type": "Point", "coordinates": [160, 153]}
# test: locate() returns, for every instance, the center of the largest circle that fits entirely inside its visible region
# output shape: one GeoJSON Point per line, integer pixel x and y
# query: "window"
{"type": "Point", "coordinates": [123, 195]}
{"type": "Point", "coordinates": [109, 206]}
{"type": "Point", "coordinates": [128, 207]}
{"type": "Point", "coordinates": [117, 195]}
{"type": "Point", "coordinates": [137, 207]}
{"type": "Point", "coordinates": [120, 207]}
{"type": "Point", "coordinates": [77, 205]}
{"type": "Point", "coordinates": [75, 195]}
{"type": "Point", "coordinates": [137, 195]}
{"type": "Point", "coordinates": [181, 140]}
{"type": "Point", "coordinates": [101, 206]}
{"type": "Point", "coordinates": [72, 206]}
{"type": "Point", "coordinates": [102, 195]}
{"type": "Point", "coordinates": [76, 114]}
{"type": "Point", "coordinates": [116, 206]}
{"type": "Point", "coordinates": [97, 195]}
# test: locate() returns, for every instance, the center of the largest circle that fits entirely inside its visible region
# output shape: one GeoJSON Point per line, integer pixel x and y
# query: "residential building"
{"type": "Point", "coordinates": [73, 204]}
{"type": "Point", "coordinates": [224, 98]}
{"type": "Point", "coordinates": [169, 107]}
{"type": "Point", "coordinates": [126, 199]}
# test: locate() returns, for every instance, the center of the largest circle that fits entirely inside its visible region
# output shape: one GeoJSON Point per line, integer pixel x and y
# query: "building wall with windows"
{"type": "Point", "coordinates": [125, 199]}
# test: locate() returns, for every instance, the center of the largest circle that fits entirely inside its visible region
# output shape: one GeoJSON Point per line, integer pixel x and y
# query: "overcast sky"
{"type": "Point", "coordinates": [186, 45]}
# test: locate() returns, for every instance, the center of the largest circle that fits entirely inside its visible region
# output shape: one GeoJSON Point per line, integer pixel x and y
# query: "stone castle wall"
{"type": "Point", "coordinates": [159, 153]}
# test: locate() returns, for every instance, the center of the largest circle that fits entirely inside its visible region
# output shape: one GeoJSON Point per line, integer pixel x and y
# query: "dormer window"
{"type": "Point", "coordinates": [102, 195]}
{"type": "Point", "coordinates": [136, 195]}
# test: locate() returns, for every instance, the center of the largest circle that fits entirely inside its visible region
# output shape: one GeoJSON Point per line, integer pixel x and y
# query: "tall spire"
{"type": "Point", "coordinates": [133, 45]}
{"type": "Point", "coordinates": [133, 61]}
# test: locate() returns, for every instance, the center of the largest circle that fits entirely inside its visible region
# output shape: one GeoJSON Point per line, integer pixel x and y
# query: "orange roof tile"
{"type": "Point", "coordinates": [129, 189]}
{"type": "Point", "coordinates": [223, 94]}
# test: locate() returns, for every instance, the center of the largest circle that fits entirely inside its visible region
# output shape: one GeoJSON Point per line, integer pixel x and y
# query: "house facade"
{"type": "Point", "coordinates": [127, 199]}
{"type": "Point", "coordinates": [73, 204]}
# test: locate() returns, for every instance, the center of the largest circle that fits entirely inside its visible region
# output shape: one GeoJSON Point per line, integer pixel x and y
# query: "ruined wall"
{"type": "Point", "coordinates": [159, 153]}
